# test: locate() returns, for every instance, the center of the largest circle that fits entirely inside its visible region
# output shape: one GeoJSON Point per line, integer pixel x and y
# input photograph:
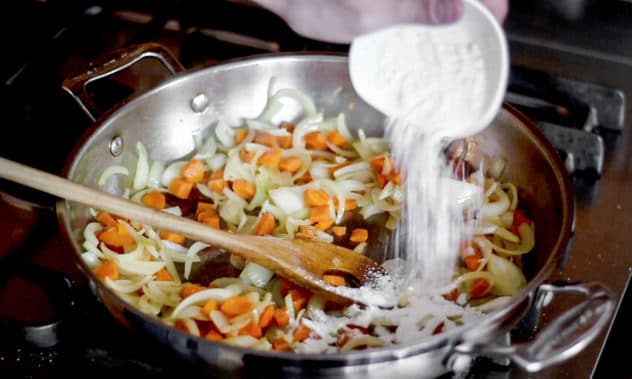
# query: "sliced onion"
{"type": "Point", "coordinates": [309, 108]}
{"type": "Point", "coordinates": [288, 199]}
{"type": "Point", "coordinates": [225, 134]}
{"type": "Point", "coordinates": [172, 171]}
{"type": "Point", "coordinates": [91, 259]}
{"type": "Point", "coordinates": [243, 341]}
{"type": "Point", "coordinates": [216, 162]}
{"type": "Point", "coordinates": [155, 173]}
{"type": "Point", "coordinates": [362, 340]}
{"type": "Point", "coordinates": [109, 171]}
{"type": "Point", "coordinates": [125, 285]}
{"type": "Point", "coordinates": [341, 123]}
{"type": "Point", "coordinates": [508, 278]}
{"type": "Point", "coordinates": [218, 294]}
{"type": "Point", "coordinates": [89, 232]}
{"type": "Point", "coordinates": [355, 167]}
{"type": "Point", "coordinates": [497, 207]}
{"type": "Point", "coordinates": [256, 274]}
{"type": "Point", "coordinates": [141, 177]}
{"type": "Point", "coordinates": [207, 150]}
{"type": "Point", "coordinates": [340, 151]}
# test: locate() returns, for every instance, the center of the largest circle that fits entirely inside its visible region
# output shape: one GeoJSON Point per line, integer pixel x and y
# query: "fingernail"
{"type": "Point", "coordinates": [444, 11]}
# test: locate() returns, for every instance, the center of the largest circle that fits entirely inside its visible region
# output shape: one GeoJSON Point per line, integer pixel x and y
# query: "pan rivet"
{"type": "Point", "coordinates": [116, 146]}
{"type": "Point", "coordinates": [199, 103]}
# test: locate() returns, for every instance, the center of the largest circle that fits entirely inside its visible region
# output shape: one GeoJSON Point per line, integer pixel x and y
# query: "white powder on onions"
{"type": "Point", "coordinates": [430, 90]}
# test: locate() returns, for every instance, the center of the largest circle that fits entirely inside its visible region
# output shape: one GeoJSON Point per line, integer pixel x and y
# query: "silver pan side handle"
{"type": "Point", "coordinates": [565, 336]}
{"type": "Point", "coordinates": [112, 64]}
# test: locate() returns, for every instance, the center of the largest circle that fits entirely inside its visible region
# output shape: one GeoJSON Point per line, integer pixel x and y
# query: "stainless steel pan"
{"type": "Point", "coordinates": [165, 118]}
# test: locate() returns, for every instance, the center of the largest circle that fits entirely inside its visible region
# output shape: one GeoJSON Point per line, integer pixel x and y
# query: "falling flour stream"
{"type": "Point", "coordinates": [435, 84]}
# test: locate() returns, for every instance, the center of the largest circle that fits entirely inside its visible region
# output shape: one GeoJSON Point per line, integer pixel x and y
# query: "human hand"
{"type": "Point", "coordinates": [340, 21]}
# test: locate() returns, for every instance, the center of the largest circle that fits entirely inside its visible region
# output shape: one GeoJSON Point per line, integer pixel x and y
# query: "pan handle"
{"type": "Point", "coordinates": [567, 334]}
{"type": "Point", "coordinates": [113, 63]}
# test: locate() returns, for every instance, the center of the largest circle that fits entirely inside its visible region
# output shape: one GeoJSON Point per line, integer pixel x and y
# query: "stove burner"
{"type": "Point", "coordinates": [571, 113]}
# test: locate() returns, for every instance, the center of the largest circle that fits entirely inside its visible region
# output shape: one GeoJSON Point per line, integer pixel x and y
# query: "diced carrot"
{"type": "Point", "coordinates": [217, 185]}
{"type": "Point", "coordinates": [173, 237]}
{"type": "Point", "coordinates": [236, 306]}
{"type": "Point", "coordinates": [266, 316]}
{"type": "Point", "coordinates": [219, 174]}
{"type": "Point", "coordinates": [336, 139]}
{"type": "Point", "coordinates": [382, 180]}
{"type": "Point", "coordinates": [246, 156]}
{"type": "Point", "coordinates": [306, 232]}
{"type": "Point", "coordinates": [287, 126]}
{"type": "Point", "coordinates": [300, 297]}
{"type": "Point", "coordinates": [252, 329]}
{"type": "Point", "coordinates": [359, 235]}
{"type": "Point", "coordinates": [395, 177]}
{"type": "Point", "coordinates": [214, 335]}
{"type": "Point", "coordinates": [189, 289]}
{"type": "Point", "coordinates": [281, 318]}
{"type": "Point", "coordinates": [471, 255]}
{"type": "Point", "coordinates": [285, 142]}
{"type": "Point", "coordinates": [479, 287]}
{"type": "Point", "coordinates": [316, 198]}
{"type": "Point", "coordinates": [116, 236]}
{"type": "Point", "coordinates": [265, 226]}
{"type": "Point", "coordinates": [286, 286]}
{"type": "Point", "coordinates": [382, 164]}
{"type": "Point", "coordinates": [324, 225]}
{"type": "Point", "coordinates": [339, 231]}
{"type": "Point", "coordinates": [211, 305]}
{"type": "Point", "coordinates": [518, 219]}
{"type": "Point", "coordinates": [266, 139]}
{"type": "Point", "coordinates": [452, 295]}
{"type": "Point", "coordinates": [180, 325]}
{"type": "Point", "coordinates": [438, 329]}
{"type": "Point", "coordinates": [163, 275]}
{"type": "Point", "coordinates": [271, 158]}
{"type": "Point", "coordinates": [350, 204]}
{"type": "Point", "coordinates": [155, 199]}
{"type": "Point", "coordinates": [472, 262]}
{"type": "Point", "coordinates": [180, 188]}
{"type": "Point", "coordinates": [335, 280]}
{"type": "Point", "coordinates": [315, 141]}
{"type": "Point", "coordinates": [210, 218]}
{"type": "Point", "coordinates": [290, 164]}
{"type": "Point", "coordinates": [281, 345]}
{"type": "Point", "coordinates": [337, 167]}
{"type": "Point", "coordinates": [107, 269]}
{"type": "Point", "coordinates": [320, 214]}
{"type": "Point", "coordinates": [240, 135]}
{"type": "Point", "coordinates": [203, 207]}
{"type": "Point", "coordinates": [306, 178]}
{"type": "Point", "coordinates": [244, 188]}
{"type": "Point", "coordinates": [193, 171]}
{"type": "Point", "coordinates": [301, 333]}
{"type": "Point", "coordinates": [106, 219]}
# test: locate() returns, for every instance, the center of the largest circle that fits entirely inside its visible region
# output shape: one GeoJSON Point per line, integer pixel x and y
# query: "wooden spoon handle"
{"type": "Point", "coordinates": [97, 199]}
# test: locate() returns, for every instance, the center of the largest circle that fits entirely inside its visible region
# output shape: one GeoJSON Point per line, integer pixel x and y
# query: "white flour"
{"type": "Point", "coordinates": [430, 91]}
{"type": "Point", "coordinates": [430, 84]}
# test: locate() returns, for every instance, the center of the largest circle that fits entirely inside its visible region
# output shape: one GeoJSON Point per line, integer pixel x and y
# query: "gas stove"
{"type": "Point", "coordinates": [53, 325]}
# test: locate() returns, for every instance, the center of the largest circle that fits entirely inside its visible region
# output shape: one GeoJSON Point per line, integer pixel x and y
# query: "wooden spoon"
{"type": "Point", "coordinates": [303, 262]}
